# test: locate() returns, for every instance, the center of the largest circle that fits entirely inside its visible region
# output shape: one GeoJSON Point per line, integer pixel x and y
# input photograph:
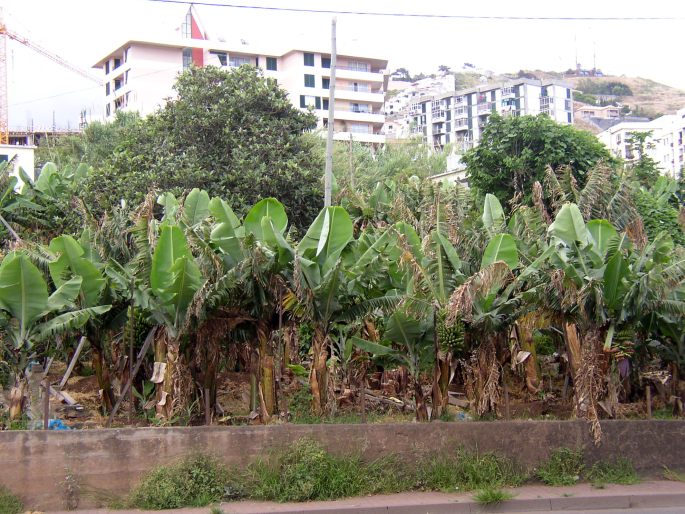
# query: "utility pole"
{"type": "Point", "coordinates": [328, 176]}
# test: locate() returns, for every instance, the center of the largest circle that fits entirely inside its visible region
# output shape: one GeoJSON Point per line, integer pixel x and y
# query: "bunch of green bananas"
{"type": "Point", "coordinates": [450, 339]}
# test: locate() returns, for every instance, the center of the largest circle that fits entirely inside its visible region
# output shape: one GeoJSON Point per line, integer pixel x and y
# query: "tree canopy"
{"type": "Point", "coordinates": [233, 133]}
{"type": "Point", "coordinates": [514, 152]}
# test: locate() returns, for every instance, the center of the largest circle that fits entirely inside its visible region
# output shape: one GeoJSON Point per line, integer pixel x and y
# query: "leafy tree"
{"type": "Point", "coordinates": [515, 151]}
{"type": "Point", "coordinates": [233, 133]}
{"type": "Point", "coordinates": [645, 168]}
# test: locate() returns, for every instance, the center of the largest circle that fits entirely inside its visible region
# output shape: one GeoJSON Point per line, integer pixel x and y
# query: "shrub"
{"type": "Point", "coordinates": [9, 504]}
{"type": "Point", "coordinates": [563, 467]}
{"type": "Point", "coordinates": [194, 482]}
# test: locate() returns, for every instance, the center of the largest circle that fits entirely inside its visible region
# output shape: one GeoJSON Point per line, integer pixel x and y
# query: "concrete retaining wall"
{"type": "Point", "coordinates": [33, 464]}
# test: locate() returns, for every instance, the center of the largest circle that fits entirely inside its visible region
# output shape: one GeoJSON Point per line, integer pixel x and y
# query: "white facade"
{"type": "Point", "coordinates": [22, 156]}
{"type": "Point", "coordinates": [665, 143]}
{"type": "Point", "coordinates": [459, 117]}
{"type": "Point", "coordinates": [140, 75]}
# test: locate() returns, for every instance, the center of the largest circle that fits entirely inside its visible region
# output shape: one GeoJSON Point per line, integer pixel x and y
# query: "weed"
{"type": "Point", "coordinates": [663, 413]}
{"type": "Point", "coordinates": [467, 471]}
{"type": "Point", "coordinates": [307, 472]}
{"type": "Point", "coordinates": [194, 482]}
{"type": "Point", "coordinates": [72, 489]}
{"type": "Point", "coordinates": [9, 504]}
{"type": "Point", "coordinates": [563, 467]}
{"type": "Point", "coordinates": [216, 510]}
{"type": "Point", "coordinates": [620, 471]}
{"type": "Point", "coordinates": [491, 496]}
{"type": "Point", "coordinates": [669, 474]}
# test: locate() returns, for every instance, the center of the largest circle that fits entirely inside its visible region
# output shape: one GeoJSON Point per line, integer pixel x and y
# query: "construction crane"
{"type": "Point", "coordinates": [5, 34]}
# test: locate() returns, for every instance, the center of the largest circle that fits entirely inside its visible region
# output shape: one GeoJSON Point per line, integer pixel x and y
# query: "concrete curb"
{"type": "Point", "coordinates": [653, 495]}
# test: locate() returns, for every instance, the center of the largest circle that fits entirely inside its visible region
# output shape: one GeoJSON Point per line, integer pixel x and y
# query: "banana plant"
{"type": "Point", "coordinates": [34, 315]}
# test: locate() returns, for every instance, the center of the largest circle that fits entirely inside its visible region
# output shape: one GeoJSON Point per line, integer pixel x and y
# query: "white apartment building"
{"type": "Point", "coordinates": [140, 74]}
{"type": "Point", "coordinates": [459, 117]}
{"type": "Point", "coordinates": [665, 143]}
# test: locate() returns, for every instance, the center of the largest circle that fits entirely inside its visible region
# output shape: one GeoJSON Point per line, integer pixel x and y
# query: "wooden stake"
{"type": "Point", "coordinates": [362, 400]}
{"type": "Point", "coordinates": [72, 363]}
{"type": "Point", "coordinates": [141, 355]}
{"type": "Point", "coordinates": [648, 394]}
{"type": "Point", "coordinates": [46, 405]}
{"type": "Point", "coordinates": [507, 414]}
{"type": "Point", "coordinates": [208, 414]}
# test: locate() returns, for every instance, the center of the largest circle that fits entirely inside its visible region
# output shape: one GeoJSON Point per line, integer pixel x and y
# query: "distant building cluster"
{"type": "Point", "coordinates": [459, 117]}
{"type": "Point", "coordinates": [664, 144]}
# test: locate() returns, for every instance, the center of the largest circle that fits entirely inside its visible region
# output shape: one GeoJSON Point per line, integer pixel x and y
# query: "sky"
{"type": "Point", "coordinates": [82, 31]}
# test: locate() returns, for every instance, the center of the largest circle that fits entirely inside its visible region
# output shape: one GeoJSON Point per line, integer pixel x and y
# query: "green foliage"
{"type": "Point", "coordinates": [601, 87]}
{"type": "Point", "coordinates": [9, 504]}
{"type": "Point", "coordinates": [657, 212]}
{"type": "Point", "coordinates": [466, 471]}
{"type": "Point", "coordinates": [618, 471]}
{"type": "Point", "coordinates": [233, 133]}
{"type": "Point", "coordinates": [194, 482]}
{"type": "Point", "coordinates": [515, 151]}
{"type": "Point", "coordinates": [491, 496]}
{"type": "Point", "coordinates": [307, 472]}
{"type": "Point", "coordinates": [585, 98]}
{"type": "Point", "coordinates": [563, 467]}
{"type": "Point", "coordinates": [544, 344]}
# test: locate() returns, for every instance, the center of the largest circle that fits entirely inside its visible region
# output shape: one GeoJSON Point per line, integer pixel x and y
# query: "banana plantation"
{"type": "Point", "coordinates": [418, 297]}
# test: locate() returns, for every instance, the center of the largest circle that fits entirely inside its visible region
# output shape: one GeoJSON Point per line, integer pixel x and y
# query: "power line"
{"type": "Point", "coordinates": [436, 16]}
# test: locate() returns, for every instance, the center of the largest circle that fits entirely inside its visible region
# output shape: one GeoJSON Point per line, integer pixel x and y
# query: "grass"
{"type": "Point", "coordinates": [193, 482]}
{"type": "Point", "coordinates": [9, 504]}
{"type": "Point", "coordinates": [216, 510]}
{"type": "Point", "coordinates": [563, 467]}
{"type": "Point", "coordinates": [491, 496]}
{"type": "Point", "coordinates": [467, 471]}
{"type": "Point", "coordinates": [619, 471]}
{"type": "Point", "coordinates": [307, 472]}
{"type": "Point", "coordinates": [675, 476]}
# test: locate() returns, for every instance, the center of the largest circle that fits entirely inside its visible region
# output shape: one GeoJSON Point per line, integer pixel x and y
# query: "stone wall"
{"type": "Point", "coordinates": [33, 464]}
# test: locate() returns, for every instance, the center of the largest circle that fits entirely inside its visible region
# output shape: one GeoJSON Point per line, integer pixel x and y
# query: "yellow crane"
{"type": "Point", "coordinates": [5, 34]}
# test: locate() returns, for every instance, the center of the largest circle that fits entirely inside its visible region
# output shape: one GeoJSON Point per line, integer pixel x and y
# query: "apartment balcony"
{"type": "Point", "coordinates": [508, 92]}
{"type": "Point", "coordinates": [369, 116]}
{"type": "Point", "coordinates": [361, 137]}
{"type": "Point", "coordinates": [460, 126]}
{"type": "Point", "coordinates": [358, 95]}
{"type": "Point", "coordinates": [485, 108]}
{"type": "Point", "coordinates": [438, 114]}
{"type": "Point", "coordinates": [352, 73]}
{"type": "Point", "coordinates": [546, 102]}
{"type": "Point", "coordinates": [439, 129]}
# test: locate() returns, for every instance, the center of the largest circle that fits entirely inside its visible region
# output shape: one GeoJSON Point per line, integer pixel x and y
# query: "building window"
{"type": "Point", "coordinates": [568, 115]}
{"type": "Point", "coordinates": [358, 66]}
{"type": "Point", "coordinates": [307, 101]}
{"type": "Point", "coordinates": [106, 67]}
{"type": "Point", "coordinates": [325, 62]}
{"type": "Point", "coordinates": [186, 28]}
{"type": "Point", "coordinates": [325, 104]}
{"type": "Point", "coordinates": [117, 63]}
{"type": "Point", "coordinates": [308, 59]}
{"type": "Point", "coordinates": [568, 93]}
{"type": "Point", "coordinates": [187, 58]}
{"type": "Point", "coordinates": [107, 88]}
{"type": "Point", "coordinates": [309, 81]}
{"type": "Point", "coordinates": [236, 61]}
{"type": "Point", "coordinates": [271, 64]}
{"type": "Point", "coordinates": [317, 102]}
{"type": "Point", "coordinates": [359, 128]}
{"type": "Point", "coordinates": [108, 110]}
{"type": "Point", "coordinates": [223, 58]}
{"type": "Point", "coordinates": [325, 83]}
{"type": "Point", "coordinates": [364, 108]}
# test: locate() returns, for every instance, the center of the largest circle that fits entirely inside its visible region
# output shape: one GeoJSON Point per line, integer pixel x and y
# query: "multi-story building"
{"type": "Point", "coordinates": [460, 117]}
{"type": "Point", "coordinates": [140, 74]}
{"type": "Point", "coordinates": [665, 142]}
{"type": "Point", "coordinates": [596, 111]}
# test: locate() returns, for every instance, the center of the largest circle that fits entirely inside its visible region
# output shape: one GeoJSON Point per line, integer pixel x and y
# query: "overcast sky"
{"type": "Point", "coordinates": [82, 31]}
